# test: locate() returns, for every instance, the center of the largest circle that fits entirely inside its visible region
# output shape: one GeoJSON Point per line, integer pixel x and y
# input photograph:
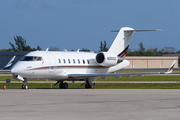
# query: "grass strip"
{"type": "Point", "coordinates": [97, 86]}
{"type": "Point", "coordinates": [144, 78]}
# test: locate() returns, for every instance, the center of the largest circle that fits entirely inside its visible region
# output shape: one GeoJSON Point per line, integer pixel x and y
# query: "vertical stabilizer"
{"type": "Point", "coordinates": [121, 42]}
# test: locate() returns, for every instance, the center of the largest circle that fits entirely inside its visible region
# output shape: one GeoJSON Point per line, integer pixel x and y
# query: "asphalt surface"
{"type": "Point", "coordinates": [90, 104]}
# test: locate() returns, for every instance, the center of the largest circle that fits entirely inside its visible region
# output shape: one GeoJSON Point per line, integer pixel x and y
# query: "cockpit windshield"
{"type": "Point", "coordinates": [31, 58]}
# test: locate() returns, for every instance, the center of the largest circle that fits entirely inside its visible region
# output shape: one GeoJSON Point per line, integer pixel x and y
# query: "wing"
{"type": "Point", "coordinates": [118, 75]}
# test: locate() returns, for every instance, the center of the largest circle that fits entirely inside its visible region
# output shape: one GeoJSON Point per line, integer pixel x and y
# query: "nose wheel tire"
{"type": "Point", "coordinates": [24, 87]}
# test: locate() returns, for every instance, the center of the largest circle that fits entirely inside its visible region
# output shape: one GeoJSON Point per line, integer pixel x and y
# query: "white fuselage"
{"type": "Point", "coordinates": [57, 65]}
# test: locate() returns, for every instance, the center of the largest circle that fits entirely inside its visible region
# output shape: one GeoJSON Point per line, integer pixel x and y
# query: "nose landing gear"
{"type": "Point", "coordinates": [25, 86]}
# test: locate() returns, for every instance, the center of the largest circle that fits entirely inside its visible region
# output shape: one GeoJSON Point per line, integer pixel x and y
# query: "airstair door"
{"type": "Point", "coordinates": [52, 62]}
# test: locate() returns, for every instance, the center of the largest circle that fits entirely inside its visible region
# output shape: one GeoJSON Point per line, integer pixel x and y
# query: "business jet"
{"type": "Point", "coordinates": [71, 66]}
{"type": "Point", "coordinates": [8, 65]}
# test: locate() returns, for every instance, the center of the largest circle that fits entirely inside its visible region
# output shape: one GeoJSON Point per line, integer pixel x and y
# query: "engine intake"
{"type": "Point", "coordinates": [108, 59]}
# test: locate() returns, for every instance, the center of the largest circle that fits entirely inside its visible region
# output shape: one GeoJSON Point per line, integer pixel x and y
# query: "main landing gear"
{"type": "Point", "coordinates": [25, 86]}
{"type": "Point", "coordinates": [63, 85]}
{"type": "Point", "coordinates": [89, 84]}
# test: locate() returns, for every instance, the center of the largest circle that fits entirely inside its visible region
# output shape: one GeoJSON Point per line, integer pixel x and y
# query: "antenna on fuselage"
{"type": "Point", "coordinates": [47, 49]}
{"type": "Point", "coordinates": [78, 50]}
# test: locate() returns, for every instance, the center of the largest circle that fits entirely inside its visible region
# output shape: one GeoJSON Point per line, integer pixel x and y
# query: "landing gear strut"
{"type": "Point", "coordinates": [25, 86]}
{"type": "Point", "coordinates": [63, 85]}
{"type": "Point", "coordinates": [89, 84]}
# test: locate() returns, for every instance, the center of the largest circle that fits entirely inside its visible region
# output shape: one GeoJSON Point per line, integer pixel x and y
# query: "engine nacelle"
{"type": "Point", "coordinates": [108, 59]}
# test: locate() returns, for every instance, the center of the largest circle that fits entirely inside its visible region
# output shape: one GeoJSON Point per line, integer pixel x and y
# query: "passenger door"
{"type": "Point", "coordinates": [52, 62]}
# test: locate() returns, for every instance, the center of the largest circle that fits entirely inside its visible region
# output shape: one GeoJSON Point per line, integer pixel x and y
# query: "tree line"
{"type": "Point", "coordinates": [20, 45]}
{"type": "Point", "coordinates": [151, 51]}
{"type": "Point", "coordinates": [143, 51]}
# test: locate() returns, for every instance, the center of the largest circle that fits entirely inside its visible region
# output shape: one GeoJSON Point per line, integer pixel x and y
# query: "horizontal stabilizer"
{"type": "Point", "coordinates": [142, 30]}
{"type": "Point", "coordinates": [137, 30]}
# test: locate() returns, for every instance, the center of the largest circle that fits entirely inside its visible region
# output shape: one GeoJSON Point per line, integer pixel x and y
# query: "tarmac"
{"type": "Point", "coordinates": [90, 104]}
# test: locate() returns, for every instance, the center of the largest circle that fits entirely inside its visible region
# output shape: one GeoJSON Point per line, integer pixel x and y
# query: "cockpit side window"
{"type": "Point", "coordinates": [27, 58]}
{"type": "Point", "coordinates": [38, 59]}
{"type": "Point", "coordinates": [31, 58]}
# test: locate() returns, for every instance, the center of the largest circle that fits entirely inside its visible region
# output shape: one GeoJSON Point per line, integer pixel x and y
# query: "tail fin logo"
{"type": "Point", "coordinates": [171, 68]}
{"type": "Point", "coordinates": [123, 53]}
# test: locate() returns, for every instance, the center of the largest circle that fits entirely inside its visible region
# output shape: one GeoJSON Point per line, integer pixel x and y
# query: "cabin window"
{"type": "Point", "coordinates": [79, 61]}
{"type": "Point", "coordinates": [88, 61]}
{"type": "Point", "coordinates": [64, 60]}
{"type": "Point", "coordinates": [69, 60]}
{"type": "Point", "coordinates": [59, 60]}
{"type": "Point", "coordinates": [83, 61]}
{"type": "Point", "coordinates": [74, 61]}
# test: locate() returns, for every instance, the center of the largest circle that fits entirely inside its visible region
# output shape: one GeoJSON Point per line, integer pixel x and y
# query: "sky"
{"type": "Point", "coordinates": [77, 24]}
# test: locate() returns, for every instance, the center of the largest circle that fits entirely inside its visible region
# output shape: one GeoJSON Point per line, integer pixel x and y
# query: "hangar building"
{"type": "Point", "coordinates": [173, 55]}
{"type": "Point", "coordinates": [151, 62]}
{"type": "Point", "coordinates": [5, 57]}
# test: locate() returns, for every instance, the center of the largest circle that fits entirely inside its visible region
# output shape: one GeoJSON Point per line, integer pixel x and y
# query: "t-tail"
{"type": "Point", "coordinates": [122, 41]}
{"type": "Point", "coordinates": [114, 57]}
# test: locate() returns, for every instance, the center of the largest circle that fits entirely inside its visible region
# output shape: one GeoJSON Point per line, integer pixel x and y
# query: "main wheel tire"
{"type": "Point", "coordinates": [65, 85]}
{"type": "Point", "coordinates": [87, 86]}
{"type": "Point", "coordinates": [23, 87]}
{"type": "Point", "coordinates": [61, 85]}
{"type": "Point", "coordinates": [92, 86]}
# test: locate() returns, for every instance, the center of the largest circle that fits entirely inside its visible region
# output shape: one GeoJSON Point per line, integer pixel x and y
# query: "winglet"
{"type": "Point", "coordinates": [171, 68]}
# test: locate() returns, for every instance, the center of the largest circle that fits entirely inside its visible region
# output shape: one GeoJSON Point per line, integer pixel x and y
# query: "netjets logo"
{"type": "Point", "coordinates": [111, 58]}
